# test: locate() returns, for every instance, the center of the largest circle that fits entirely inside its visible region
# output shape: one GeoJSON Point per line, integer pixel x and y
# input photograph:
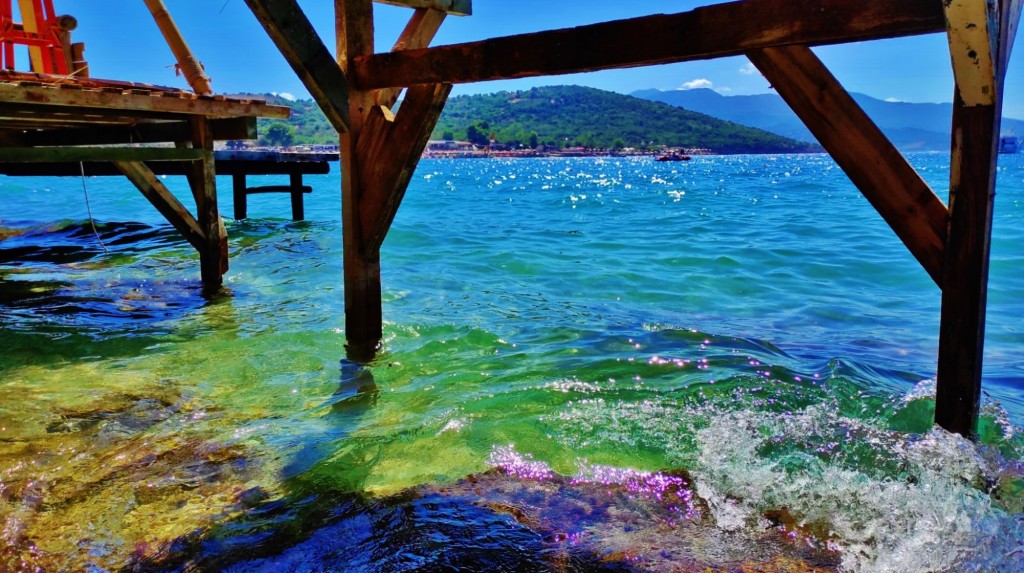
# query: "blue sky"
{"type": "Point", "coordinates": [123, 42]}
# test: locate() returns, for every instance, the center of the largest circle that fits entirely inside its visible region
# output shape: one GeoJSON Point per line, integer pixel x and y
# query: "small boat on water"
{"type": "Point", "coordinates": [1009, 143]}
{"type": "Point", "coordinates": [672, 156]}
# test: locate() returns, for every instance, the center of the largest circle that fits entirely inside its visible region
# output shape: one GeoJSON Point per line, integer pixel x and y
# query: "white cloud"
{"type": "Point", "coordinates": [699, 83]}
{"type": "Point", "coordinates": [723, 90]}
{"type": "Point", "coordinates": [748, 69]}
{"type": "Point", "coordinates": [893, 100]}
{"type": "Point", "coordinates": [284, 95]}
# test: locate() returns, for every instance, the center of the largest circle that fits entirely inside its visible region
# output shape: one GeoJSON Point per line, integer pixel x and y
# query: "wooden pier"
{"type": "Point", "coordinates": [60, 120]}
{"type": "Point", "coordinates": [51, 119]}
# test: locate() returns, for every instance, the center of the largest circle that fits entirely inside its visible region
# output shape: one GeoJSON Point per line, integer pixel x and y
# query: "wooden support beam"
{"type": "Point", "coordinates": [298, 41]}
{"type": "Point", "coordinates": [713, 31]}
{"type": "Point", "coordinates": [65, 154]}
{"type": "Point", "coordinates": [297, 189]}
{"type": "Point", "coordinates": [456, 7]}
{"type": "Point", "coordinates": [165, 202]}
{"type": "Point", "coordinates": [418, 33]}
{"type": "Point", "coordinates": [363, 312]}
{"type": "Point", "coordinates": [874, 164]}
{"type": "Point", "coordinates": [213, 257]}
{"type": "Point", "coordinates": [980, 39]}
{"type": "Point", "coordinates": [240, 199]}
{"type": "Point", "coordinates": [389, 152]}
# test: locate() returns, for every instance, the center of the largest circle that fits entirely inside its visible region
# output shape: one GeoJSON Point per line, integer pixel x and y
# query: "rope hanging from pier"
{"type": "Point", "coordinates": [88, 208]}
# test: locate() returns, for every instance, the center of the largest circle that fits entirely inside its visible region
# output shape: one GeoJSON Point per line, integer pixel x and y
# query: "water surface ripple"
{"type": "Point", "coordinates": [599, 364]}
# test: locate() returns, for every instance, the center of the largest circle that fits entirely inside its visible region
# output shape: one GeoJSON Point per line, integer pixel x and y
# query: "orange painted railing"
{"type": "Point", "coordinates": [40, 30]}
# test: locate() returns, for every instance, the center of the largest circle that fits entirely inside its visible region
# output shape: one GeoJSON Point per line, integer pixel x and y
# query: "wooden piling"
{"type": "Point", "coordinates": [980, 38]}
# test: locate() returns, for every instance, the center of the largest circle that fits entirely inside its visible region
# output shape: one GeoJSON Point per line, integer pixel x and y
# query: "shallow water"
{"type": "Point", "coordinates": [744, 331]}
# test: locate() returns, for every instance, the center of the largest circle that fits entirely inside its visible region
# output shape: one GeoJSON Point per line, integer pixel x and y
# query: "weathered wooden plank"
{"type": "Point", "coordinates": [874, 164]}
{"type": "Point", "coordinates": [63, 154]}
{"type": "Point", "coordinates": [165, 202]}
{"type": "Point", "coordinates": [972, 31]}
{"type": "Point", "coordinates": [390, 152]}
{"type": "Point", "coordinates": [158, 132]}
{"type": "Point", "coordinates": [456, 7]}
{"type": "Point", "coordinates": [709, 32]}
{"type": "Point", "coordinates": [418, 33]}
{"type": "Point", "coordinates": [129, 102]}
{"type": "Point", "coordinates": [298, 41]}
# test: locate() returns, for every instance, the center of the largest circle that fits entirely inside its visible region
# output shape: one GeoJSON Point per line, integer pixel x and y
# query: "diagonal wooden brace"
{"type": "Point", "coordinates": [871, 161]}
{"type": "Point", "coordinates": [388, 153]}
{"type": "Point", "coordinates": [165, 202]}
{"type": "Point", "coordinates": [298, 41]}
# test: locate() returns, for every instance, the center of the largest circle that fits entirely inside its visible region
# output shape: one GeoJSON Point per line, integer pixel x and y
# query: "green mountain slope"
{"type": "Point", "coordinates": [563, 116]}
{"type": "Point", "coordinates": [556, 116]}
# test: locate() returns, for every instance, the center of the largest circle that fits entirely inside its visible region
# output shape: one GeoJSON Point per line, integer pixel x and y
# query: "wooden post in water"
{"type": "Point", "coordinates": [379, 153]}
{"type": "Point", "coordinates": [213, 257]}
{"type": "Point", "coordinates": [980, 37]}
{"type": "Point", "coordinates": [363, 313]}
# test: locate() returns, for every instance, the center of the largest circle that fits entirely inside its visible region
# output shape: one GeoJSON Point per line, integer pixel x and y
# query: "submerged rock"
{"type": "Point", "coordinates": [504, 520]}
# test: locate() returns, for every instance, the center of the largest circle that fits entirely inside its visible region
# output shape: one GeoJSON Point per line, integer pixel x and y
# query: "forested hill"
{"type": "Point", "coordinates": [558, 116]}
{"type": "Point", "coordinates": [563, 116]}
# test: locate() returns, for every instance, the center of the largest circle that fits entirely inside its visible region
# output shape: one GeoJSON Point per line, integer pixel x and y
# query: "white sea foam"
{"type": "Point", "coordinates": [889, 501]}
{"type": "Point", "coordinates": [931, 518]}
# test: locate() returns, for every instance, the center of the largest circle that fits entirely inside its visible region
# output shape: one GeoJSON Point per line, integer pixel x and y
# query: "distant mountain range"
{"type": "Point", "coordinates": [910, 126]}
{"type": "Point", "coordinates": [562, 116]}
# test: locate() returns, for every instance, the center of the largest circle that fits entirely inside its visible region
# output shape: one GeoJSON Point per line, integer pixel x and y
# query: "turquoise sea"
{"type": "Point", "coordinates": [595, 364]}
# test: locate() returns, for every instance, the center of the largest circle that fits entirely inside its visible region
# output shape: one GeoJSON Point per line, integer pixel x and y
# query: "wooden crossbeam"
{"type": "Point", "coordinates": [873, 163]}
{"type": "Point", "coordinates": [390, 151]}
{"type": "Point", "coordinates": [165, 202]}
{"type": "Point", "coordinates": [62, 154]}
{"type": "Point", "coordinates": [298, 41]}
{"type": "Point", "coordinates": [223, 129]}
{"type": "Point", "coordinates": [714, 31]}
{"type": "Point", "coordinates": [456, 7]}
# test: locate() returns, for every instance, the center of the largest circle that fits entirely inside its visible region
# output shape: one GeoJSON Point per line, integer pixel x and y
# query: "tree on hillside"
{"type": "Point", "coordinates": [279, 135]}
{"type": "Point", "coordinates": [475, 136]}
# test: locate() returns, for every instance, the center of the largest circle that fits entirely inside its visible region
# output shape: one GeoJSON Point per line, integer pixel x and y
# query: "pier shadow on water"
{"type": "Point", "coordinates": [518, 516]}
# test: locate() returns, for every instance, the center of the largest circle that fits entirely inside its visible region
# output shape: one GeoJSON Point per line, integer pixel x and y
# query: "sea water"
{"type": "Point", "coordinates": [589, 364]}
